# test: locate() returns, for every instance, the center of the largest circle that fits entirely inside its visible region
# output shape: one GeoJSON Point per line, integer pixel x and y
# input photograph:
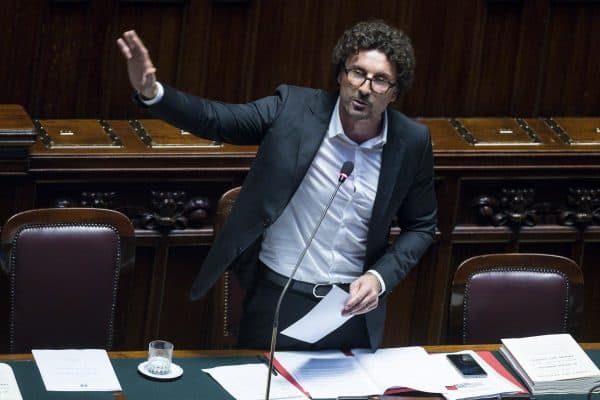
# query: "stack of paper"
{"type": "Point", "coordinates": [551, 364]}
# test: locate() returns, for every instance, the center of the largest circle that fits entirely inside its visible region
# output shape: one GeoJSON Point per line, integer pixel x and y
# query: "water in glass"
{"type": "Point", "coordinates": [158, 365]}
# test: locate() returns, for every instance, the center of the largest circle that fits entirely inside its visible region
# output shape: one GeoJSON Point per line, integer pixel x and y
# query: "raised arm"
{"type": "Point", "coordinates": [142, 74]}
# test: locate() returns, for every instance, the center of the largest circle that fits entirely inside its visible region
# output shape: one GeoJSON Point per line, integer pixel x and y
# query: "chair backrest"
{"type": "Point", "coordinates": [497, 296]}
{"type": "Point", "coordinates": [228, 295]}
{"type": "Point", "coordinates": [63, 266]}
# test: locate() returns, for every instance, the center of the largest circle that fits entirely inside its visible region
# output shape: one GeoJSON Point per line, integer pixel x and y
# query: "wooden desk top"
{"type": "Point", "coordinates": [241, 353]}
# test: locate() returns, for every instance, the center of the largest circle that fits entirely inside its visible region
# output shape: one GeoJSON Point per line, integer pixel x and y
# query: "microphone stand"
{"type": "Point", "coordinates": [342, 179]}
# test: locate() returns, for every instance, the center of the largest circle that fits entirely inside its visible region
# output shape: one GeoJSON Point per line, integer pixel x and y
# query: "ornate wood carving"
{"type": "Point", "coordinates": [172, 210]}
{"type": "Point", "coordinates": [584, 208]}
{"type": "Point", "coordinates": [89, 199]}
{"type": "Point", "coordinates": [517, 208]}
{"type": "Point", "coordinates": [513, 208]}
{"type": "Point", "coordinates": [167, 210]}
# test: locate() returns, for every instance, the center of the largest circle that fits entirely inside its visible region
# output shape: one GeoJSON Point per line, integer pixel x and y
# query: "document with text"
{"type": "Point", "coordinates": [9, 389]}
{"type": "Point", "coordinates": [327, 374]}
{"type": "Point", "coordinates": [76, 370]}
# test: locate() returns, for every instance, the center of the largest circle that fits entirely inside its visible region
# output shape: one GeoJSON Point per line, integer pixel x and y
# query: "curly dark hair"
{"type": "Point", "coordinates": [376, 34]}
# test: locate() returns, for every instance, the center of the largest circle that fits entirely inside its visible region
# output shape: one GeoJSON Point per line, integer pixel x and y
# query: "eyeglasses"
{"type": "Point", "coordinates": [357, 77]}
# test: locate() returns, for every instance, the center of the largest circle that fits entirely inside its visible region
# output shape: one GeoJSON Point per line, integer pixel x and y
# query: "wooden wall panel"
{"type": "Point", "coordinates": [499, 54]}
{"type": "Point", "coordinates": [19, 51]}
{"type": "Point", "coordinates": [63, 45]}
{"type": "Point", "coordinates": [226, 64]}
{"type": "Point", "coordinates": [475, 57]}
{"type": "Point", "coordinates": [573, 32]}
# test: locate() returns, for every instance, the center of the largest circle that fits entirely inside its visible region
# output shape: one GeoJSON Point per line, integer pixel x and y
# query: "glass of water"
{"type": "Point", "coordinates": [160, 353]}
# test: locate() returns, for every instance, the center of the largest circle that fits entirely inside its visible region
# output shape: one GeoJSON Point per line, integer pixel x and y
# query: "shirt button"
{"type": "Point", "coordinates": [267, 222]}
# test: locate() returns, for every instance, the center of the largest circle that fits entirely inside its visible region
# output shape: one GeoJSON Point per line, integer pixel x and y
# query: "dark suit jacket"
{"type": "Point", "coordinates": [289, 126]}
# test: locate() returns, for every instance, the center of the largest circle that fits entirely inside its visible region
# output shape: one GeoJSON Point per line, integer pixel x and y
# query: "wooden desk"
{"type": "Point", "coordinates": [192, 385]}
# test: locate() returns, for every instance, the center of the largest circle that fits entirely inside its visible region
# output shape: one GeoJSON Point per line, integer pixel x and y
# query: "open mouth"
{"type": "Point", "coordinates": [359, 104]}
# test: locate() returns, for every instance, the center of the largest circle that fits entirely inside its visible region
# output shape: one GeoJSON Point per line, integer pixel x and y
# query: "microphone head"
{"type": "Point", "coordinates": [346, 170]}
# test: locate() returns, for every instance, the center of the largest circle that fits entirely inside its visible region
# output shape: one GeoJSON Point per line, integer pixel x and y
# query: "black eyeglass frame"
{"type": "Point", "coordinates": [365, 78]}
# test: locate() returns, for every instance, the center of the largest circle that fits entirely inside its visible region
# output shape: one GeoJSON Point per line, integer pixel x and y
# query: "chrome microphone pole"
{"type": "Point", "coordinates": [344, 174]}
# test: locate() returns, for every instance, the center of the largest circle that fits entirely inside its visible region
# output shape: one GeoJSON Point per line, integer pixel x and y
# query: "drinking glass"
{"type": "Point", "coordinates": [160, 353]}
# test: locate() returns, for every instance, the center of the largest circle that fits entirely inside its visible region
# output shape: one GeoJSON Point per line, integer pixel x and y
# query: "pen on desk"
{"type": "Point", "coordinates": [265, 360]}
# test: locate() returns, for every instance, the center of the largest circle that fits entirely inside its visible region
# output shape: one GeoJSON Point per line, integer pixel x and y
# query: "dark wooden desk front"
{"type": "Point", "coordinates": [503, 184]}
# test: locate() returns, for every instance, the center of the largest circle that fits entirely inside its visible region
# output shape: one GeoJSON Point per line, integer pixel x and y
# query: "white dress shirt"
{"type": "Point", "coordinates": [337, 253]}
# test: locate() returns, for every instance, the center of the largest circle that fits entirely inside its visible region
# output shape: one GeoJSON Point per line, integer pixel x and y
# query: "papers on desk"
{"type": "Point", "coordinates": [76, 370]}
{"type": "Point", "coordinates": [9, 389]}
{"type": "Point", "coordinates": [551, 364]}
{"type": "Point", "coordinates": [249, 382]}
{"type": "Point", "coordinates": [402, 367]}
{"type": "Point", "coordinates": [328, 374]}
{"type": "Point", "coordinates": [323, 319]}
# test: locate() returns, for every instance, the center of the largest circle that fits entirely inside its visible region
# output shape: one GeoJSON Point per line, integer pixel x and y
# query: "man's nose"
{"type": "Point", "coordinates": [365, 88]}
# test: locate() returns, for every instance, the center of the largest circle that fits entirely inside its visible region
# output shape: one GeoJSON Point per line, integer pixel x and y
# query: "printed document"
{"type": "Point", "coordinates": [323, 319]}
{"type": "Point", "coordinates": [9, 389]}
{"type": "Point", "coordinates": [406, 367]}
{"type": "Point", "coordinates": [327, 374]}
{"type": "Point", "coordinates": [249, 382]}
{"type": "Point", "coordinates": [76, 370]}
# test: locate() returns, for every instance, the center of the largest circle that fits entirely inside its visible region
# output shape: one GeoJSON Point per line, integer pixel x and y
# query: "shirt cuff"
{"type": "Point", "coordinates": [380, 279]}
{"type": "Point", "coordinates": [160, 92]}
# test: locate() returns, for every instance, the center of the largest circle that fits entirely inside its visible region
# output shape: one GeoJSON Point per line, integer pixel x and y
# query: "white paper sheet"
{"type": "Point", "coordinates": [249, 382]}
{"type": "Point", "coordinates": [410, 367]}
{"type": "Point", "coordinates": [9, 389]}
{"type": "Point", "coordinates": [323, 319]}
{"type": "Point", "coordinates": [76, 370]}
{"type": "Point", "coordinates": [327, 374]}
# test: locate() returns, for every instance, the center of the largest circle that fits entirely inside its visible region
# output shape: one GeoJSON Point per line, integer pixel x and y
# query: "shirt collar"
{"type": "Point", "coordinates": [336, 129]}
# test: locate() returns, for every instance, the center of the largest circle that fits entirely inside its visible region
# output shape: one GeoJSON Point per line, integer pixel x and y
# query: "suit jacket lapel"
{"type": "Point", "coordinates": [316, 121]}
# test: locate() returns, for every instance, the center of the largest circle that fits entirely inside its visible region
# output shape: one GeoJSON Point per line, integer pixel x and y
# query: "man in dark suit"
{"type": "Point", "coordinates": [305, 135]}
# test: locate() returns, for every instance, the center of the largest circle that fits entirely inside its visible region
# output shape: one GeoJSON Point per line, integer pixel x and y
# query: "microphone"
{"type": "Point", "coordinates": [345, 172]}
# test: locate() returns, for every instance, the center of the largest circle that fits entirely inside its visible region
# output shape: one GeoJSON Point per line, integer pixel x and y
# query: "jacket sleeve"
{"type": "Point", "coordinates": [241, 124]}
{"type": "Point", "coordinates": [417, 218]}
